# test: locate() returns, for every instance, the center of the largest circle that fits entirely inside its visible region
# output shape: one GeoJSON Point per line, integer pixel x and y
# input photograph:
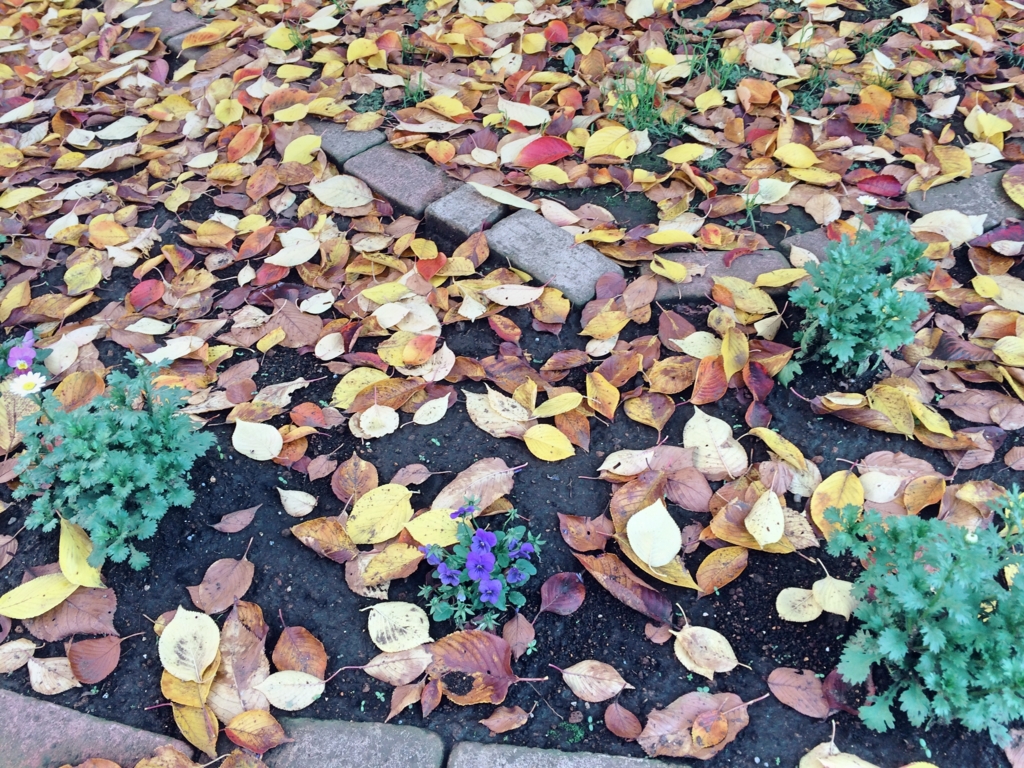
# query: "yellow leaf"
{"type": "Point", "coordinates": [545, 172]}
{"type": "Point", "coordinates": [281, 37]}
{"type": "Point", "coordinates": [556, 405]}
{"type": "Point", "coordinates": [817, 176]}
{"type": "Point", "coordinates": [18, 296]}
{"type": "Point", "coordinates": [271, 340]}
{"type": "Point", "coordinates": [796, 155]}
{"type": "Point", "coordinates": [212, 33]}
{"type": "Point", "coordinates": [177, 198]}
{"type": "Point", "coordinates": [605, 324]}
{"type": "Point", "coordinates": [837, 490]}
{"type": "Point", "coordinates": [361, 49]}
{"type": "Point", "coordinates": [228, 111]}
{"type": "Point", "coordinates": [354, 382]}
{"type": "Point", "coordinates": [660, 57]}
{"type": "Point", "coordinates": [292, 113]}
{"type": "Point", "coordinates": [601, 395]}
{"type": "Point", "coordinates": [893, 404]}
{"type": "Point", "coordinates": [36, 597]}
{"type": "Point", "coordinates": [735, 351]}
{"type": "Point", "coordinates": [199, 727]}
{"type": "Point", "coordinates": [385, 293]}
{"type": "Point", "coordinates": [766, 521]}
{"type": "Point", "coordinates": [535, 42]}
{"type": "Point", "coordinates": [548, 443]}
{"type": "Point", "coordinates": [781, 446]}
{"type": "Point", "coordinates": [613, 140]}
{"type": "Point", "coordinates": [674, 271]}
{"type": "Point", "coordinates": [1010, 350]}
{"type": "Point", "coordinates": [303, 149]}
{"type": "Point", "coordinates": [75, 548]}
{"type": "Point", "coordinates": [670, 237]}
{"type": "Point", "coordinates": [709, 99]}
{"type": "Point", "coordinates": [653, 535]}
{"type": "Point", "coordinates": [498, 12]}
{"type": "Point", "coordinates": [448, 106]}
{"type": "Point", "coordinates": [434, 526]}
{"type": "Point", "coordinates": [779, 277]}
{"type": "Point", "coordinates": [12, 198]}
{"type": "Point", "coordinates": [931, 418]}
{"type": "Point", "coordinates": [289, 73]}
{"type": "Point", "coordinates": [379, 514]}
{"type": "Point", "coordinates": [585, 42]}
{"type": "Point", "coordinates": [684, 153]}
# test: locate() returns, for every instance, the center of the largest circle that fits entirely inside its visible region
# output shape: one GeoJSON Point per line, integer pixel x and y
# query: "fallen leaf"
{"type": "Point", "coordinates": [397, 626]}
{"type": "Point", "coordinates": [505, 719]}
{"type": "Point", "coordinates": [799, 689]}
{"type": "Point", "coordinates": [233, 522]}
{"type": "Point", "coordinates": [561, 594]}
{"type": "Point", "coordinates": [593, 681]}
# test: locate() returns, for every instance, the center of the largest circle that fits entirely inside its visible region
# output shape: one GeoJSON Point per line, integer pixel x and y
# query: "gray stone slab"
{"type": "Point", "coordinates": [192, 54]}
{"type": "Point", "coordinates": [409, 181]}
{"type": "Point", "coordinates": [39, 734]}
{"type": "Point", "coordinates": [468, 755]}
{"type": "Point", "coordinates": [814, 241]}
{"type": "Point", "coordinates": [550, 254]}
{"type": "Point", "coordinates": [699, 289]}
{"type": "Point", "coordinates": [340, 744]}
{"type": "Point", "coordinates": [973, 196]}
{"type": "Point", "coordinates": [455, 217]}
{"type": "Point", "coordinates": [171, 23]}
{"type": "Point", "coordinates": [341, 145]}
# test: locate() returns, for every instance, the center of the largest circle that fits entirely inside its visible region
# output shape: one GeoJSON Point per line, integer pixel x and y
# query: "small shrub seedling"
{"type": "Point", "coordinates": [113, 466]}
{"type": "Point", "coordinates": [854, 311]}
{"type": "Point", "coordinates": [942, 612]}
{"type": "Point", "coordinates": [482, 574]}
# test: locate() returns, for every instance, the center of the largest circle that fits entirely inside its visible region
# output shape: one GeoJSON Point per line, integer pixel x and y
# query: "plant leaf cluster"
{"type": "Point", "coordinates": [941, 613]}
{"type": "Point", "coordinates": [114, 466]}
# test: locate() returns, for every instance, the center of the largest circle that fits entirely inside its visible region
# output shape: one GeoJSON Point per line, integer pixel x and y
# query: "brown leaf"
{"type": "Point", "coordinates": [8, 549]}
{"type": "Point", "coordinates": [651, 408]}
{"type": "Point", "coordinates": [506, 719]}
{"type": "Point", "coordinates": [612, 574]}
{"type": "Point", "coordinates": [51, 676]}
{"type": "Point", "coordinates": [243, 665]}
{"type": "Point", "coordinates": [585, 534]}
{"type": "Point", "coordinates": [256, 730]}
{"type": "Point", "coordinates": [233, 522]}
{"type": "Point", "coordinates": [399, 667]}
{"type": "Point", "coordinates": [658, 633]}
{"type": "Point", "coordinates": [327, 537]}
{"type": "Point", "coordinates": [298, 650]}
{"type": "Point", "coordinates": [404, 696]}
{"type": "Point", "coordinates": [93, 660]}
{"type": "Point", "coordinates": [472, 667]}
{"type": "Point", "coordinates": [720, 567]}
{"type": "Point", "coordinates": [412, 474]}
{"type": "Point", "coordinates": [321, 466]}
{"type": "Point", "coordinates": [689, 489]}
{"type": "Point", "coordinates": [353, 478]}
{"type": "Point", "coordinates": [87, 611]}
{"type": "Point", "coordinates": [562, 594]}
{"type": "Point", "coordinates": [710, 384]}
{"type": "Point", "coordinates": [79, 388]}
{"type": "Point", "coordinates": [669, 731]}
{"type": "Point", "coordinates": [837, 691]}
{"type": "Point", "coordinates": [593, 681]}
{"type": "Point", "coordinates": [800, 689]}
{"type": "Point", "coordinates": [1014, 458]}
{"type": "Point", "coordinates": [240, 759]}
{"type": "Point", "coordinates": [224, 583]}
{"type": "Point", "coordinates": [486, 481]}
{"type": "Point", "coordinates": [622, 722]}
{"type": "Point", "coordinates": [518, 633]}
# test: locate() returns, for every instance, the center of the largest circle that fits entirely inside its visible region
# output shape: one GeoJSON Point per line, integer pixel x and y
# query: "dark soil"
{"type": "Point", "coordinates": [311, 591]}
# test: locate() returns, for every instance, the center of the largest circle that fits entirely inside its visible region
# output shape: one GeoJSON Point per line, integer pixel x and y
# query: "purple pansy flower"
{"type": "Point", "coordinates": [22, 356]}
{"type": "Point", "coordinates": [483, 540]}
{"type": "Point", "coordinates": [490, 591]}
{"type": "Point", "coordinates": [463, 511]}
{"type": "Point", "coordinates": [479, 565]}
{"type": "Point", "coordinates": [448, 576]}
{"type": "Point", "coordinates": [514, 576]}
{"type": "Point", "coordinates": [517, 549]}
{"type": "Point", "coordinates": [433, 558]}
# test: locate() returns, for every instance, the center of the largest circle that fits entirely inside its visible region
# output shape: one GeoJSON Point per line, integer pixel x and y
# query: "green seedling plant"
{"type": "Point", "coordinates": [114, 466]}
{"type": "Point", "coordinates": [942, 612]}
{"type": "Point", "coordinates": [480, 576]}
{"type": "Point", "coordinates": [854, 311]}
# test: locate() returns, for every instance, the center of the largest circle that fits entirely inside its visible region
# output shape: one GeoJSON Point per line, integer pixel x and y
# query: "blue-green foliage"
{"type": "Point", "coordinates": [113, 466]}
{"type": "Point", "coordinates": [853, 310]}
{"type": "Point", "coordinates": [938, 612]}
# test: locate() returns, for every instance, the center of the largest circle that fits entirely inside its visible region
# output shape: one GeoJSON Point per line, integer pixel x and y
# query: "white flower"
{"type": "Point", "coordinates": [867, 201]}
{"type": "Point", "coordinates": [28, 383]}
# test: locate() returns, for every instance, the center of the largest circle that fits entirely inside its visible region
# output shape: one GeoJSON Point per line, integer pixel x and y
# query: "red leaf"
{"type": "Point", "coordinates": [145, 293]}
{"type": "Point", "coordinates": [758, 380]}
{"type": "Point", "coordinates": [622, 722]}
{"type": "Point", "coordinates": [546, 149]}
{"type": "Point", "coordinates": [233, 522]}
{"type": "Point", "coordinates": [557, 32]}
{"type": "Point", "coordinates": [883, 185]}
{"type": "Point", "coordinates": [734, 254]}
{"type": "Point", "coordinates": [562, 594]}
{"type": "Point", "coordinates": [518, 633]}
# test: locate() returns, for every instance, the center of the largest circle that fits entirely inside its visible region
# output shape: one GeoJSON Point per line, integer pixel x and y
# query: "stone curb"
{"type": "Point", "coordinates": [973, 196]}
{"type": "Point", "coordinates": [341, 744]}
{"type": "Point", "coordinates": [456, 216]}
{"type": "Point", "coordinates": [550, 254]}
{"type": "Point", "coordinates": [470, 755]}
{"type": "Point", "coordinates": [699, 289]}
{"type": "Point", "coordinates": [38, 734]}
{"type": "Point", "coordinates": [172, 24]}
{"type": "Point", "coordinates": [409, 181]}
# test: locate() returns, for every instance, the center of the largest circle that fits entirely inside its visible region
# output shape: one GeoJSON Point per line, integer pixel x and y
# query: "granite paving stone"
{"type": "Point", "coordinates": [171, 23]}
{"type": "Point", "coordinates": [340, 744]}
{"type": "Point", "coordinates": [699, 289]}
{"type": "Point", "coordinates": [814, 241]}
{"type": "Point", "coordinates": [973, 196]}
{"type": "Point", "coordinates": [468, 755]}
{"type": "Point", "coordinates": [550, 254]}
{"type": "Point", "coordinates": [40, 734]}
{"type": "Point", "coordinates": [458, 215]}
{"type": "Point", "coordinates": [409, 181]}
{"type": "Point", "coordinates": [341, 145]}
